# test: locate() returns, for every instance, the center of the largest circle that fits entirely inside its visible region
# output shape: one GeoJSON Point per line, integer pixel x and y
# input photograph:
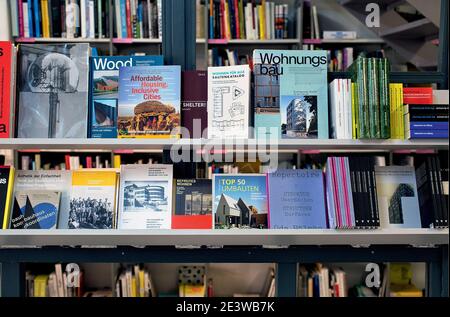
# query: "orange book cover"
{"type": "Point", "coordinates": [5, 88]}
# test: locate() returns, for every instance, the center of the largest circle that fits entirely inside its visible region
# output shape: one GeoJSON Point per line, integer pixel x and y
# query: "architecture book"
{"type": "Point", "coordinates": [104, 90]}
{"type": "Point", "coordinates": [7, 77]}
{"type": "Point", "coordinates": [229, 102]}
{"type": "Point", "coordinates": [6, 194]}
{"type": "Point", "coordinates": [35, 209]}
{"type": "Point", "coordinates": [240, 201]}
{"type": "Point", "coordinates": [145, 196]}
{"type": "Point", "coordinates": [397, 197]}
{"type": "Point", "coordinates": [296, 199]}
{"type": "Point", "coordinates": [194, 101]}
{"type": "Point", "coordinates": [291, 92]}
{"type": "Point", "coordinates": [149, 102]}
{"type": "Point", "coordinates": [52, 90]}
{"type": "Point", "coordinates": [192, 204]}
{"type": "Point", "coordinates": [57, 181]}
{"type": "Point", "coordinates": [93, 200]}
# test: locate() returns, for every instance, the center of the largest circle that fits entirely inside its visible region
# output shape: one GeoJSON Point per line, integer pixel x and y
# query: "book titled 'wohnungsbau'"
{"type": "Point", "coordinates": [291, 93]}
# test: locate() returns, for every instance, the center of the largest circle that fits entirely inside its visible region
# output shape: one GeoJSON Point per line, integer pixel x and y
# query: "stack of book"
{"type": "Point", "coordinates": [340, 60]}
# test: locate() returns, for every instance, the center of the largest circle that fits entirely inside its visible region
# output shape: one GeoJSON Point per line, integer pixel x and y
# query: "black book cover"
{"type": "Point", "coordinates": [432, 167]}
{"type": "Point", "coordinates": [352, 162]}
{"type": "Point", "coordinates": [232, 19]}
{"type": "Point", "coordinates": [4, 182]}
{"type": "Point", "coordinates": [364, 193]}
{"type": "Point", "coordinates": [370, 190]}
{"type": "Point", "coordinates": [96, 30]}
{"type": "Point", "coordinates": [427, 203]}
{"type": "Point", "coordinates": [440, 190]}
{"type": "Point", "coordinates": [144, 19]}
{"type": "Point", "coordinates": [375, 194]}
{"type": "Point", "coordinates": [55, 11]}
{"type": "Point", "coordinates": [105, 18]}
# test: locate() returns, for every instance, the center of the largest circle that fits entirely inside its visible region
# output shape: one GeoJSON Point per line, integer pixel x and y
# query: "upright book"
{"type": "Point", "coordinates": [229, 102]}
{"type": "Point", "coordinates": [194, 101]}
{"type": "Point", "coordinates": [52, 90]}
{"type": "Point", "coordinates": [6, 88]}
{"type": "Point", "coordinates": [291, 92]}
{"type": "Point", "coordinates": [149, 102]}
{"type": "Point", "coordinates": [145, 197]}
{"type": "Point", "coordinates": [104, 90]}
{"type": "Point", "coordinates": [6, 194]}
{"type": "Point", "coordinates": [240, 201]}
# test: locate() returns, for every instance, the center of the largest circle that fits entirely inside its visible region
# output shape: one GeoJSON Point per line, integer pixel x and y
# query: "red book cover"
{"type": "Point", "coordinates": [222, 20]}
{"type": "Point", "coordinates": [194, 100]}
{"type": "Point", "coordinates": [67, 161]}
{"type": "Point", "coordinates": [20, 9]}
{"type": "Point", "coordinates": [129, 30]}
{"type": "Point", "coordinates": [418, 95]}
{"type": "Point", "coordinates": [89, 162]}
{"type": "Point", "coordinates": [236, 19]}
{"type": "Point", "coordinates": [5, 88]}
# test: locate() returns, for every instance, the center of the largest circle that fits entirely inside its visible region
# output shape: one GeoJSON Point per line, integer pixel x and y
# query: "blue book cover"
{"type": "Point", "coordinates": [427, 134]}
{"type": "Point", "coordinates": [291, 93]}
{"type": "Point", "coordinates": [149, 102]}
{"type": "Point", "coordinates": [240, 201]}
{"type": "Point", "coordinates": [37, 18]}
{"type": "Point", "coordinates": [430, 125]}
{"type": "Point", "coordinates": [104, 89]}
{"type": "Point", "coordinates": [123, 19]}
{"type": "Point", "coordinates": [296, 199]}
{"type": "Point", "coordinates": [30, 18]}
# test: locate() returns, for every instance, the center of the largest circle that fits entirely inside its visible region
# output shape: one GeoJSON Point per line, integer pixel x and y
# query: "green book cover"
{"type": "Point", "coordinates": [241, 20]}
{"type": "Point", "coordinates": [374, 102]}
{"type": "Point", "coordinates": [385, 119]}
{"type": "Point", "coordinates": [363, 102]}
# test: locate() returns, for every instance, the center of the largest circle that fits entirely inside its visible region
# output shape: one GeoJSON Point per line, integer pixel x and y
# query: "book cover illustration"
{"type": "Point", "coordinates": [149, 101]}
{"type": "Point", "coordinates": [240, 201]}
{"type": "Point", "coordinates": [146, 196]}
{"type": "Point", "coordinates": [104, 90]}
{"type": "Point", "coordinates": [296, 199]}
{"type": "Point", "coordinates": [193, 204]}
{"type": "Point", "coordinates": [52, 90]}
{"type": "Point", "coordinates": [397, 197]}
{"type": "Point", "coordinates": [194, 112]}
{"type": "Point", "coordinates": [35, 210]}
{"type": "Point", "coordinates": [228, 102]}
{"type": "Point", "coordinates": [92, 200]}
{"type": "Point", "coordinates": [58, 181]}
{"type": "Point", "coordinates": [296, 83]}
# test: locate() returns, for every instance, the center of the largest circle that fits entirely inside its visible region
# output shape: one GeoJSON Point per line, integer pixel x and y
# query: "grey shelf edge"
{"type": "Point", "coordinates": [233, 237]}
{"type": "Point", "coordinates": [160, 144]}
{"type": "Point", "coordinates": [61, 40]}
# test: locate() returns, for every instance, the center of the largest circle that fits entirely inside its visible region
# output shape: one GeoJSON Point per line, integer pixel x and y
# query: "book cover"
{"type": "Point", "coordinates": [104, 90]}
{"type": "Point", "coordinates": [145, 196]}
{"type": "Point", "coordinates": [240, 201]}
{"type": "Point", "coordinates": [193, 204]}
{"type": "Point", "coordinates": [149, 102]}
{"type": "Point", "coordinates": [58, 181]}
{"type": "Point", "coordinates": [194, 103]}
{"type": "Point", "coordinates": [229, 102]}
{"type": "Point", "coordinates": [6, 194]}
{"type": "Point", "coordinates": [35, 209]}
{"type": "Point", "coordinates": [426, 134]}
{"type": "Point", "coordinates": [6, 111]}
{"type": "Point", "coordinates": [397, 197]}
{"type": "Point", "coordinates": [92, 200]}
{"type": "Point", "coordinates": [302, 92]}
{"type": "Point", "coordinates": [52, 90]}
{"type": "Point", "coordinates": [296, 199]}
{"type": "Point", "coordinates": [418, 95]}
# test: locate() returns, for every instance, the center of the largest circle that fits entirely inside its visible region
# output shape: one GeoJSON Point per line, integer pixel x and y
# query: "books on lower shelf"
{"type": "Point", "coordinates": [320, 281]}
{"type": "Point", "coordinates": [134, 281]}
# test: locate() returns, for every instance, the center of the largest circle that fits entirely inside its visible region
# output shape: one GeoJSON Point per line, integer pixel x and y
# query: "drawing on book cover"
{"type": "Point", "coordinates": [87, 212]}
{"type": "Point", "coordinates": [151, 196]}
{"type": "Point", "coordinates": [299, 117]}
{"type": "Point", "coordinates": [236, 110]}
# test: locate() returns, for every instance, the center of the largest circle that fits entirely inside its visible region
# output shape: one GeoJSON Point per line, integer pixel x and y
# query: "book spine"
{"type": "Point", "coordinates": [420, 134]}
{"type": "Point", "coordinates": [6, 105]}
{"type": "Point", "coordinates": [361, 69]}
{"type": "Point", "coordinates": [20, 17]}
{"type": "Point", "coordinates": [427, 125]}
{"type": "Point", "coordinates": [128, 19]}
{"type": "Point", "coordinates": [374, 105]}
{"type": "Point", "coordinates": [37, 18]}
{"type": "Point", "coordinates": [383, 76]}
{"type": "Point", "coordinates": [435, 194]}
{"type": "Point", "coordinates": [242, 19]}
{"type": "Point", "coordinates": [444, 201]}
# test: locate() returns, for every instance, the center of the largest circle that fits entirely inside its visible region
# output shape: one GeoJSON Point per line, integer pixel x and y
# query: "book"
{"type": "Point", "coordinates": [145, 196]}
{"type": "Point", "coordinates": [341, 35]}
{"type": "Point", "coordinates": [6, 88]}
{"type": "Point", "coordinates": [426, 134]}
{"type": "Point", "coordinates": [240, 201]}
{"type": "Point", "coordinates": [6, 194]}
{"type": "Point", "coordinates": [229, 102]}
{"type": "Point", "coordinates": [397, 197]}
{"type": "Point", "coordinates": [149, 102]}
{"type": "Point", "coordinates": [418, 95]}
{"type": "Point", "coordinates": [194, 103]}
{"type": "Point", "coordinates": [52, 105]}
{"type": "Point", "coordinates": [302, 93]}
{"type": "Point", "coordinates": [296, 199]}
{"type": "Point", "coordinates": [104, 89]}
{"type": "Point", "coordinates": [36, 209]}
{"type": "Point", "coordinates": [93, 200]}
{"type": "Point", "coordinates": [192, 204]}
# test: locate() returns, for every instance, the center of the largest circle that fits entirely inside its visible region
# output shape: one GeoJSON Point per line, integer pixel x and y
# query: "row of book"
{"type": "Point", "coordinates": [351, 193]}
{"type": "Point", "coordinates": [320, 281]}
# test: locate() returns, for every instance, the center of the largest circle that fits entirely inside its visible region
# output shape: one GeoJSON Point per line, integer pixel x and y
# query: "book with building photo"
{"type": "Point", "coordinates": [145, 196]}
{"type": "Point", "coordinates": [291, 92]}
{"type": "Point", "coordinates": [240, 201]}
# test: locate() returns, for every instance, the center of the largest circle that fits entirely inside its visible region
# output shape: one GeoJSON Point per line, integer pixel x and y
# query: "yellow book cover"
{"type": "Point", "coordinates": [354, 113]}
{"type": "Point", "coordinates": [194, 290]}
{"type": "Point", "coordinates": [117, 161]}
{"type": "Point", "coordinates": [401, 112]}
{"type": "Point", "coordinates": [408, 290]}
{"type": "Point", "coordinates": [40, 285]}
{"type": "Point", "coordinates": [141, 283]}
{"type": "Point", "coordinates": [262, 19]}
{"type": "Point", "coordinates": [45, 18]}
{"type": "Point", "coordinates": [133, 287]}
{"type": "Point", "coordinates": [6, 175]}
{"type": "Point", "coordinates": [392, 102]}
{"type": "Point", "coordinates": [227, 21]}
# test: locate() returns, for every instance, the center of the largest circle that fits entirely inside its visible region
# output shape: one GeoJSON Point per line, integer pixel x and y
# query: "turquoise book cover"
{"type": "Point", "coordinates": [291, 93]}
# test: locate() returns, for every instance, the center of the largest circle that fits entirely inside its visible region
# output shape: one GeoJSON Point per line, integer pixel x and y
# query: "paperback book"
{"type": "Point", "coordinates": [194, 102]}
{"type": "Point", "coordinates": [149, 102]}
{"type": "Point", "coordinates": [6, 194]}
{"type": "Point", "coordinates": [7, 54]}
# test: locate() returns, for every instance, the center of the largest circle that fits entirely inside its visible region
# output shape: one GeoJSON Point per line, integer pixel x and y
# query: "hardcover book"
{"type": "Point", "coordinates": [296, 199]}
{"type": "Point", "coordinates": [93, 200]}
{"type": "Point", "coordinates": [228, 102]}
{"type": "Point", "coordinates": [145, 196]}
{"type": "Point", "coordinates": [52, 90]}
{"type": "Point", "coordinates": [104, 90]}
{"type": "Point", "coordinates": [291, 92]}
{"type": "Point", "coordinates": [6, 86]}
{"type": "Point", "coordinates": [149, 102]}
{"type": "Point", "coordinates": [194, 101]}
{"type": "Point", "coordinates": [397, 197]}
{"type": "Point", "coordinates": [193, 204]}
{"type": "Point", "coordinates": [240, 201]}
{"type": "Point", "coordinates": [35, 209]}
{"type": "Point", "coordinates": [6, 194]}
{"type": "Point", "coordinates": [57, 181]}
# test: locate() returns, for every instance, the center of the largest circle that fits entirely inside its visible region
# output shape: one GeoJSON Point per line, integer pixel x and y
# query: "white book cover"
{"type": "Point", "coordinates": [229, 102]}
{"type": "Point", "coordinates": [84, 16]}
{"type": "Point", "coordinates": [91, 20]}
{"type": "Point", "coordinates": [145, 196]}
{"type": "Point", "coordinates": [118, 19]}
{"type": "Point", "coordinates": [26, 21]}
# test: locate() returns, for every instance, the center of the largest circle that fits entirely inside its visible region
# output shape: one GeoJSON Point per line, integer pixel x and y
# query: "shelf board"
{"type": "Point", "coordinates": [343, 41]}
{"type": "Point", "coordinates": [60, 40]}
{"type": "Point", "coordinates": [233, 237]}
{"type": "Point", "coordinates": [253, 42]}
{"type": "Point", "coordinates": [136, 41]}
{"type": "Point", "coordinates": [159, 144]}
{"type": "Point", "coordinates": [412, 30]}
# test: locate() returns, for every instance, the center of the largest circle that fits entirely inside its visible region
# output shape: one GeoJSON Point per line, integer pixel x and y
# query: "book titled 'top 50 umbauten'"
{"type": "Point", "coordinates": [291, 93]}
{"type": "Point", "coordinates": [149, 102]}
{"type": "Point", "coordinates": [104, 90]}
